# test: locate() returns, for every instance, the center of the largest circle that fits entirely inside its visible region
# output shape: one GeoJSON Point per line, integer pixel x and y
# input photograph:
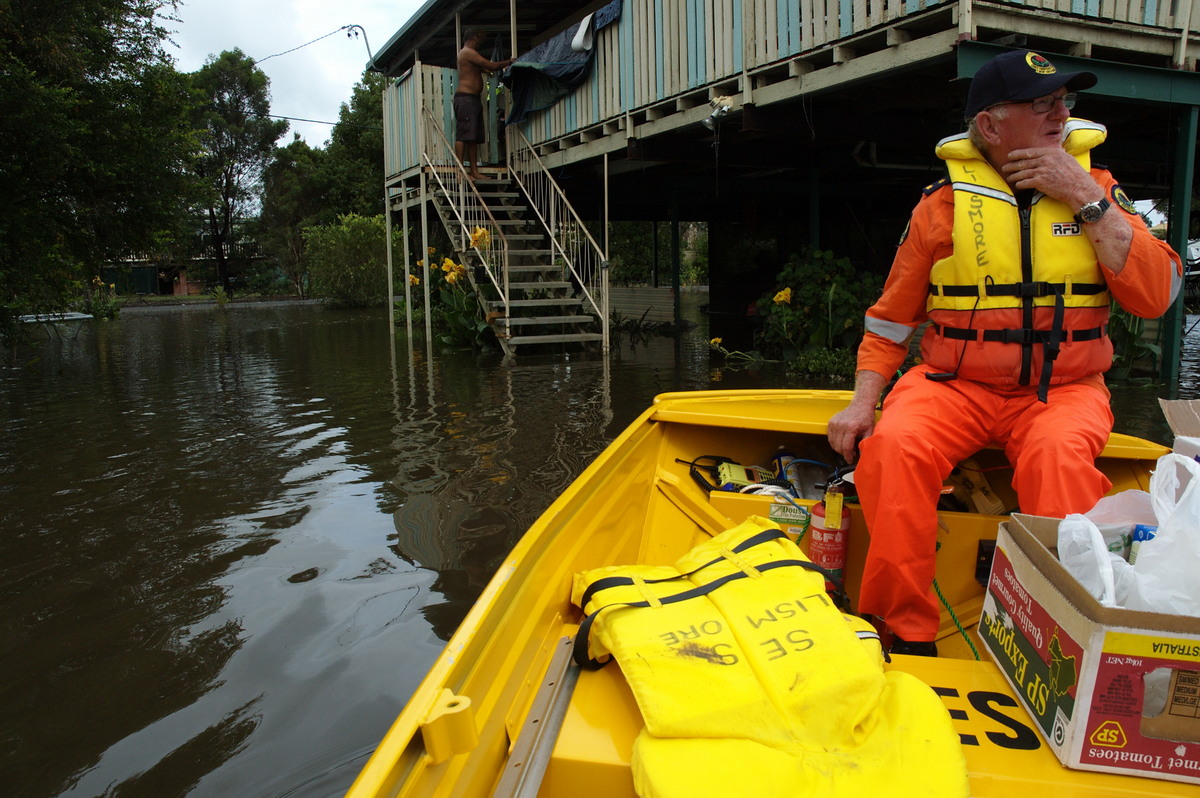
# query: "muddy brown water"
{"type": "Point", "coordinates": [235, 538]}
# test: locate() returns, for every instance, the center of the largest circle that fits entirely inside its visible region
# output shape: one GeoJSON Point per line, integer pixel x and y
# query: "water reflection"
{"type": "Point", "coordinates": [235, 539]}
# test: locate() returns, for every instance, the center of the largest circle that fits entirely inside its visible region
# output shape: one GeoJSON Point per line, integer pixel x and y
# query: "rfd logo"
{"type": "Point", "coordinates": [1109, 734]}
{"type": "Point", "coordinates": [1066, 229]}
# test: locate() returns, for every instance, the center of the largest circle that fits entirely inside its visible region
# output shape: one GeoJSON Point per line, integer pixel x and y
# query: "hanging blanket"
{"type": "Point", "coordinates": [554, 68]}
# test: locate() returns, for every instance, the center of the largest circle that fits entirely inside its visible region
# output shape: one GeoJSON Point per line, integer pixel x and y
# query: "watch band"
{"type": "Point", "coordinates": [1092, 211]}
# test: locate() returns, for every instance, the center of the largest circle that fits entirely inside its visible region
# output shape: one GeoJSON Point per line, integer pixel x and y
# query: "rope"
{"type": "Point", "coordinates": [954, 618]}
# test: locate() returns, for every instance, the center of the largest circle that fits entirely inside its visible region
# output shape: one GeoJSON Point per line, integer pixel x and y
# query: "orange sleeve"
{"type": "Point", "coordinates": [1144, 286]}
{"type": "Point", "coordinates": [901, 308]}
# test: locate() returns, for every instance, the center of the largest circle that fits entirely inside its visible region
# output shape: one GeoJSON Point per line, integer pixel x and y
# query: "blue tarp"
{"type": "Point", "coordinates": [553, 69]}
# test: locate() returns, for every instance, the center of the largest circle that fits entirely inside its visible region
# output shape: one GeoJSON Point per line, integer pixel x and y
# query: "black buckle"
{"type": "Point", "coordinates": [1035, 289]}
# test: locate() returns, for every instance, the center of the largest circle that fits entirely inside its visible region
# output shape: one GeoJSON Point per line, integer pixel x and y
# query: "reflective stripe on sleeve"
{"type": "Point", "coordinates": [891, 330]}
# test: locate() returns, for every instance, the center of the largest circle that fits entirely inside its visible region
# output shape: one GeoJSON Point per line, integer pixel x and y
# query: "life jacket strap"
{"type": "Point", "coordinates": [1018, 336]}
{"type": "Point", "coordinates": [579, 649]}
{"type": "Point", "coordinates": [1023, 290]}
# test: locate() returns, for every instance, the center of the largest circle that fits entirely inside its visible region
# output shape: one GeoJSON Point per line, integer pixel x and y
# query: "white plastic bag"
{"type": "Point", "coordinates": [1083, 552]}
{"type": "Point", "coordinates": [1167, 566]}
{"type": "Point", "coordinates": [1117, 515]}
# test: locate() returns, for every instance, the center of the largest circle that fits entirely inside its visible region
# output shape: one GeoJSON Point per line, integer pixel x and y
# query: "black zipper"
{"type": "Point", "coordinates": [1026, 301]}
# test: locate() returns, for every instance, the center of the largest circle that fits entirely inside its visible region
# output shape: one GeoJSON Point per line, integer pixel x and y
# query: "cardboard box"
{"type": "Point", "coordinates": [1183, 416]}
{"type": "Point", "coordinates": [1079, 667]}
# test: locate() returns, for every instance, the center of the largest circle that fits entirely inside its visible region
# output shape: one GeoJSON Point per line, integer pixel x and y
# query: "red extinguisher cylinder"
{"type": "Point", "coordinates": [830, 532]}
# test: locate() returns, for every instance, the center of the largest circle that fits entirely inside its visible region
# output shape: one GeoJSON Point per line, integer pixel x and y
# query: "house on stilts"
{"type": "Point", "coordinates": [785, 125]}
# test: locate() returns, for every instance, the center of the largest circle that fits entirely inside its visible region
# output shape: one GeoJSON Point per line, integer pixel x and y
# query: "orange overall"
{"type": "Point", "coordinates": [928, 426]}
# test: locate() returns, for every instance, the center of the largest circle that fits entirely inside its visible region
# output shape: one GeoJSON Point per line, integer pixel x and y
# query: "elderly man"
{"type": "Point", "coordinates": [1013, 259]}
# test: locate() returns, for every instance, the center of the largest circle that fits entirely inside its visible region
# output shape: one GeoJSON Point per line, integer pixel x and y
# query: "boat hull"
{"type": "Point", "coordinates": [502, 713]}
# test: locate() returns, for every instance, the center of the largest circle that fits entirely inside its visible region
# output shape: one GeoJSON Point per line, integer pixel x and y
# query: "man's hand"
{"type": "Point", "coordinates": [857, 421]}
{"type": "Point", "coordinates": [849, 427]}
{"type": "Point", "coordinates": [1052, 171]}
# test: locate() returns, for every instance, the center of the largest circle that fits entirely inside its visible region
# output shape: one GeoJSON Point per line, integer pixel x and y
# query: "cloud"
{"type": "Point", "coordinates": [312, 72]}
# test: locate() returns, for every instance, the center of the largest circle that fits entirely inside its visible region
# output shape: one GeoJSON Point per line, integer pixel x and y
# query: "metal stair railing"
{"type": "Point", "coordinates": [478, 229]}
{"type": "Point", "coordinates": [570, 240]}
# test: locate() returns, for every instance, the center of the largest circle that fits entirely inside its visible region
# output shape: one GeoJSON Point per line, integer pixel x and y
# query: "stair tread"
{"type": "Point", "coordinates": [555, 339]}
{"type": "Point", "coordinates": [540, 303]}
{"type": "Point", "coordinates": [534, 284]}
{"type": "Point", "coordinates": [526, 321]}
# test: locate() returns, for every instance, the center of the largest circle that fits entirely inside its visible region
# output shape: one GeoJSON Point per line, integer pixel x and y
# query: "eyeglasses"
{"type": "Point", "coordinates": [1044, 105]}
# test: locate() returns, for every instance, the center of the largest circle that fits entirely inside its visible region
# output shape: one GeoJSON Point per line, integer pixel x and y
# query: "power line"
{"type": "Point", "coordinates": [321, 121]}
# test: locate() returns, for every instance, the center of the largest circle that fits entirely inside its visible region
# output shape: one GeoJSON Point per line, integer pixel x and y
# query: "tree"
{"type": "Point", "coordinates": [95, 145]}
{"type": "Point", "coordinates": [348, 260]}
{"type": "Point", "coordinates": [293, 199]}
{"type": "Point", "coordinates": [354, 167]}
{"type": "Point", "coordinates": [238, 139]}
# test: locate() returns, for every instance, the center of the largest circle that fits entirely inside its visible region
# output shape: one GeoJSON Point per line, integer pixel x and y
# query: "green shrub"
{"type": "Point", "coordinates": [348, 260]}
{"type": "Point", "coordinates": [819, 303]}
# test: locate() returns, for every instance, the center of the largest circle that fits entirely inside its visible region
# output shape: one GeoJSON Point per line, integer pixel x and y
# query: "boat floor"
{"type": "Point", "coordinates": [1004, 753]}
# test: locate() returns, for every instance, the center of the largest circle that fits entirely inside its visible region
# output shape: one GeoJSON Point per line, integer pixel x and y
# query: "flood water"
{"type": "Point", "coordinates": [235, 538]}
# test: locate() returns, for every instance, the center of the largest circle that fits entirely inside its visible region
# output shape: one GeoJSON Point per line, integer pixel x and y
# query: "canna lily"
{"type": "Point", "coordinates": [448, 265]}
{"type": "Point", "coordinates": [481, 238]}
{"type": "Point", "coordinates": [414, 279]}
{"type": "Point", "coordinates": [784, 297]}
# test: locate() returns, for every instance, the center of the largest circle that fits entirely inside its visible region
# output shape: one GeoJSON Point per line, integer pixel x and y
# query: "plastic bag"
{"type": "Point", "coordinates": [1117, 515]}
{"type": "Point", "coordinates": [1082, 551]}
{"type": "Point", "coordinates": [1166, 567]}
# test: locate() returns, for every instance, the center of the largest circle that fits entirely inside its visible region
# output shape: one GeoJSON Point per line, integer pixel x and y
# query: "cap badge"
{"type": "Point", "coordinates": [1039, 64]}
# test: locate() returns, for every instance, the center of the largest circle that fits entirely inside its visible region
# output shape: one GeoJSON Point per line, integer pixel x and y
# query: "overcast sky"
{"type": "Point", "coordinates": [309, 83]}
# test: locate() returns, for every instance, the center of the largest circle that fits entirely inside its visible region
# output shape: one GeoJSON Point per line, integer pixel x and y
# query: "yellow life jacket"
{"type": "Point", "coordinates": [751, 682]}
{"type": "Point", "coordinates": [1022, 299]}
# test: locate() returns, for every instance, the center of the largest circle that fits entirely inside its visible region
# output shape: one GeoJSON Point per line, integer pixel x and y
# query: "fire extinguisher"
{"type": "Point", "coordinates": [830, 531]}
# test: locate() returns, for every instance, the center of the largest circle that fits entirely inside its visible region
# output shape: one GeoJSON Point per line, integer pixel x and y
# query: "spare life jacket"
{"type": "Point", "coordinates": [1022, 300]}
{"type": "Point", "coordinates": [751, 682]}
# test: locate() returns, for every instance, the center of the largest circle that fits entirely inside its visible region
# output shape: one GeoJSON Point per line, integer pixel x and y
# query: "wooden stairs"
{"type": "Point", "coordinates": [545, 305]}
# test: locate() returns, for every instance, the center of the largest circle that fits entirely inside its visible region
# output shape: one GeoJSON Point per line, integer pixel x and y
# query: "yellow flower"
{"type": "Point", "coordinates": [448, 265]}
{"type": "Point", "coordinates": [784, 297]}
{"type": "Point", "coordinates": [420, 263]}
{"type": "Point", "coordinates": [452, 277]}
{"type": "Point", "coordinates": [433, 250]}
{"type": "Point", "coordinates": [414, 279]}
{"type": "Point", "coordinates": [481, 238]}
{"type": "Point", "coordinates": [715, 342]}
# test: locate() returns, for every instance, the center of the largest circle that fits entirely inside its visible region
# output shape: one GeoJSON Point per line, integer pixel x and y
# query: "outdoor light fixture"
{"type": "Point", "coordinates": [721, 107]}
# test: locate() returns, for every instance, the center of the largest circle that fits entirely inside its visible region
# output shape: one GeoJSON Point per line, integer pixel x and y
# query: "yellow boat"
{"type": "Point", "coordinates": [503, 712]}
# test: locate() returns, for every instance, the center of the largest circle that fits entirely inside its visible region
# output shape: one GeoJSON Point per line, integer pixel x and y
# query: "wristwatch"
{"type": "Point", "coordinates": [1092, 211]}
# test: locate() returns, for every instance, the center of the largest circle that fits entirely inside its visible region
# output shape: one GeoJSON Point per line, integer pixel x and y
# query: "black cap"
{"type": "Point", "coordinates": [1020, 75]}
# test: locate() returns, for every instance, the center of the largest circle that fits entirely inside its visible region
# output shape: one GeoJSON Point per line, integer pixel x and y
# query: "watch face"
{"type": "Point", "coordinates": [1090, 212]}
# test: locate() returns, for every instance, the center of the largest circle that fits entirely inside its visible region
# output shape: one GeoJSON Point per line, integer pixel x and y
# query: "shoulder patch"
{"type": "Point", "coordinates": [934, 186]}
{"type": "Point", "coordinates": [1121, 198]}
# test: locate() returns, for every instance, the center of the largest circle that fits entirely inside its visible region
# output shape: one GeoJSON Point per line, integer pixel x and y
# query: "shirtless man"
{"type": "Point", "coordinates": [468, 107]}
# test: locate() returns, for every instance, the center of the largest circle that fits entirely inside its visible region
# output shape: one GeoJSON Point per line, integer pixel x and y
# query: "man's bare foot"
{"type": "Point", "coordinates": [478, 176]}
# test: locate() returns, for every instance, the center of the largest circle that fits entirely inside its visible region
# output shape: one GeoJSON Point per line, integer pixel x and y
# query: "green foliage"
{"type": "Point", "coordinates": [351, 172]}
{"type": "Point", "coordinates": [819, 304]}
{"type": "Point", "coordinates": [220, 295]}
{"type": "Point", "coordinates": [237, 140]}
{"type": "Point", "coordinates": [100, 299]}
{"type": "Point", "coordinates": [94, 146]}
{"type": "Point", "coordinates": [294, 197]}
{"type": "Point", "coordinates": [631, 247]}
{"type": "Point", "coordinates": [825, 364]}
{"type": "Point", "coordinates": [348, 260]}
{"type": "Point", "coordinates": [458, 315]}
{"type": "Point", "coordinates": [1126, 332]}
